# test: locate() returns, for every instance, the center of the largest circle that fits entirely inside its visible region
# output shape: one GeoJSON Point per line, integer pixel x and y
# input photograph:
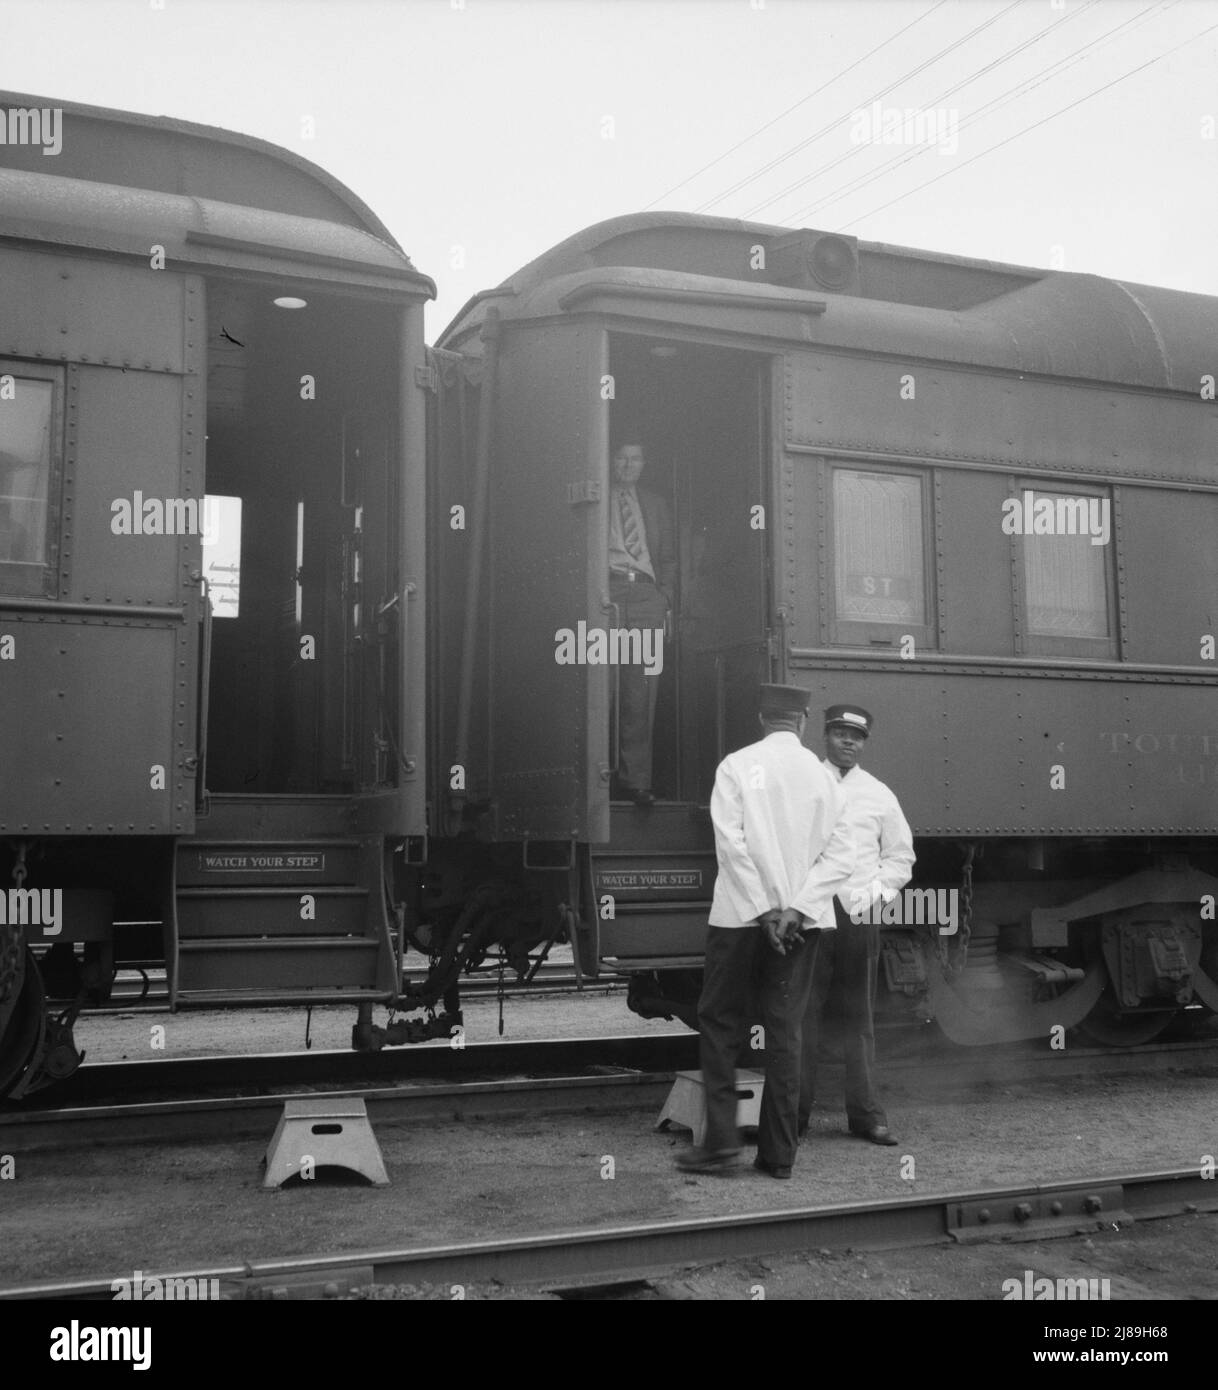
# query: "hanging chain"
{"type": "Point", "coordinates": [966, 911]}
{"type": "Point", "coordinates": [954, 965]}
{"type": "Point", "coordinates": [10, 935]}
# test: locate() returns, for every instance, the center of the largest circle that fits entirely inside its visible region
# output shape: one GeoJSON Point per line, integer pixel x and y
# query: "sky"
{"type": "Point", "coordinates": [1071, 134]}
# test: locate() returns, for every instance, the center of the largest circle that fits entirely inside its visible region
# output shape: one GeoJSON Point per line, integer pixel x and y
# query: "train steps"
{"type": "Point", "coordinates": [651, 888]}
{"type": "Point", "coordinates": [280, 921]}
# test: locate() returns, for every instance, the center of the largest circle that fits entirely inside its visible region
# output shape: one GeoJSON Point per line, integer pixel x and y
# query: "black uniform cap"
{"type": "Point", "coordinates": [783, 701]}
{"type": "Point", "coordinates": [853, 716]}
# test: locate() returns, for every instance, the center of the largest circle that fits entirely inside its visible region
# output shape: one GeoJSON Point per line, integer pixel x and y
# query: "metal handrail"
{"type": "Point", "coordinates": [204, 701]}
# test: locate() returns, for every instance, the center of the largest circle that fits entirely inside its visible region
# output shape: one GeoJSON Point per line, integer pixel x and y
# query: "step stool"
{"type": "Point", "coordinates": [332, 1132]}
{"type": "Point", "coordinates": [686, 1103]}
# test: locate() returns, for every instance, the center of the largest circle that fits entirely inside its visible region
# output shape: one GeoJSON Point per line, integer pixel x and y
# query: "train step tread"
{"type": "Point", "coordinates": [258, 998]}
{"type": "Point", "coordinates": [195, 944]}
{"type": "Point", "coordinates": [277, 890]}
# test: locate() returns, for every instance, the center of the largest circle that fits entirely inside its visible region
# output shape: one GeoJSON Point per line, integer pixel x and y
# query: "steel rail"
{"type": "Point", "coordinates": [643, 1080]}
{"type": "Point", "coordinates": [439, 1060]}
{"type": "Point", "coordinates": [933, 1060]}
{"type": "Point", "coordinates": [639, 1052]}
{"type": "Point", "coordinates": [609, 1256]}
{"type": "Point", "coordinates": [243, 1117]}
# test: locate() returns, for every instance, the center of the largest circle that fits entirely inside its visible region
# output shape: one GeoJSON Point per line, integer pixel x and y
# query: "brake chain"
{"type": "Point", "coordinates": [953, 966]}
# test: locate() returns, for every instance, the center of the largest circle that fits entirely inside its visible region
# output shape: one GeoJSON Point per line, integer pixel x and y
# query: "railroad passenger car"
{"type": "Point", "coordinates": [860, 444]}
{"type": "Point", "coordinates": [282, 596]}
{"type": "Point", "coordinates": [212, 576]}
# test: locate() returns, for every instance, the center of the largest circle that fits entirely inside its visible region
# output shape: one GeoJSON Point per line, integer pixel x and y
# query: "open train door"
{"type": "Point", "coordinates": [546, 391]}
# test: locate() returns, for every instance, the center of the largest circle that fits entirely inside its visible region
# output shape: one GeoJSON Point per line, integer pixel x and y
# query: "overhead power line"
{"type": "Point", "coordinates": [1133, 72]}
{"type": "Point", "coordinates": [998, 62]}
{"type": "Point", "coordinates": [782, 115]}
{"type": "Point", "coordinates": [875, 96]}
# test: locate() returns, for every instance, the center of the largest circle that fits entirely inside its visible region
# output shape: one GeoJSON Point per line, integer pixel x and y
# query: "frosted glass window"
{"type": "Point", "coordinates": [26, 412]}
{"type": "Point", "coordinates": [877, 533]}
{"type": "Point", "coordinates": [1067, 591]}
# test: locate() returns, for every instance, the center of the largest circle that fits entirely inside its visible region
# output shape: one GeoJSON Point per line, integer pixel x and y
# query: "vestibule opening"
{"type": "Point", "coordinates": [702, 415]}
{"type": "Point", "coordinates": [301, 404]}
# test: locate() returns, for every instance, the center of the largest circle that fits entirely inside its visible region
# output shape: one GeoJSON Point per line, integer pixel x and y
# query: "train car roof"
{"type": "Point", "coordinates": [41, 210]}
{"type": "Point", "coordinates": [696, 273]}
{"type": "Point", "coordinates": [118, 171]}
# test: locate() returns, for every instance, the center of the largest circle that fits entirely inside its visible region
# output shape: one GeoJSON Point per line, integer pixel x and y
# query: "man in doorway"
{"type": "Point", "coordinates": [783, 852]}
{"type": "Point", "coordinates": [844, 976]}
{"type": "Point", "coordinates": [642, 572]}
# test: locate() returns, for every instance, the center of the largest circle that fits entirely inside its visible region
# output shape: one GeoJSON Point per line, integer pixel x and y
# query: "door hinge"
{"type": "Point", "coordinates": [427, 377]}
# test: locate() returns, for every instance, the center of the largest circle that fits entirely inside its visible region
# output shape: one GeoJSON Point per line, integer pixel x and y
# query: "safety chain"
{"type": "Point", "coordinates": [10, 935]}
{"type": "Point", "coordinates": [954, 966]}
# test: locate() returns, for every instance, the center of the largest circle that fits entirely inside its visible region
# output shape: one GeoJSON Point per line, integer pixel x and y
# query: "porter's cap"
{"type": "Point", "coordinates": [853, 716]}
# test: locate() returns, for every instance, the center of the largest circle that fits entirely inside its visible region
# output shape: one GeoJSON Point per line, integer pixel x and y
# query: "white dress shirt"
{"type": "Point", "coordinates": [780, 835]}
{"type": "Point", "coordinates": [882, 837]}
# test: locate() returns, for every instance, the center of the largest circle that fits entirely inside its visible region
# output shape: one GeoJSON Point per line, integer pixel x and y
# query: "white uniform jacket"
{"type": "Point", "coordinates": [882, 838]}
{"type": "Point", "coordinates": [780, 836]}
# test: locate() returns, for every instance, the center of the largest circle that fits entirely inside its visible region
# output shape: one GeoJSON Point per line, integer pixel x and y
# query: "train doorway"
{"type": "Point", "coordinates": [302, 562]}
{"type": "Point", "coordinates": [703, 417]}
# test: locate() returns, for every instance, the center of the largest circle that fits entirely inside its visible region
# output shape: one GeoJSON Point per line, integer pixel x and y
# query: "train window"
{"type": "Point", "coordinates": [27, 455]}
{"type": "Point", "coordinates": [1063, 541]}
{"type": "Point", "coordinates": [880, 589]}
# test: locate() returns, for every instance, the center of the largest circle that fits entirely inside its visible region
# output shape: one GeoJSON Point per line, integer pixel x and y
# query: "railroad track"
{"type": "Point", "coordinates": [927, 1052]}
{"type": "Point", "coordinates": [239, 1072]}
{"type": "Point", "coordinates": [580, 1261]}
{"type": "Point", "coordinates": [140, 1102]}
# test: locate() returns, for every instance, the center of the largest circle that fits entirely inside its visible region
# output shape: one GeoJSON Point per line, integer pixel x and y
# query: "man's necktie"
{"type": "Point", "coordinates": [630, 526]}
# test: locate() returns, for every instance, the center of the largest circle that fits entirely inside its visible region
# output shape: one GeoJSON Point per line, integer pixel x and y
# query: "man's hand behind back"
{"type": "Point", "coordinates": [782, 929]}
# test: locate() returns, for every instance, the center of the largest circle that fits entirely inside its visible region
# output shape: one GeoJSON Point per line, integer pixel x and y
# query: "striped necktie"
{"type": "Point", "coordinates": [630, 527]}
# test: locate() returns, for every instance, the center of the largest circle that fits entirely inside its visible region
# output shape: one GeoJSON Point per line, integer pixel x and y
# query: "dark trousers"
{"type": "Point", "coordinates": [737, 958]}
{"type": "Point", "coordinates": [843, 981]}
{"type": "Point", "coordinates": [640, 605]}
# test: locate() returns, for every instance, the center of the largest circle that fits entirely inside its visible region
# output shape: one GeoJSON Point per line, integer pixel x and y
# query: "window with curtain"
{"type": "Point", "coordinates": [27, 412]}
{"type": "Point", "coordinates": [1065, 580]}
{"type": "Point", "coordinates": [878, 549]}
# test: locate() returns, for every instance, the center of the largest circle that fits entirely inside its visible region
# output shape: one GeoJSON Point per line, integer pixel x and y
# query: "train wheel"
{"type": "Point", "coordinates": [1110, 1028]}
{"type": "Point", "coordinates": [23, 1030]}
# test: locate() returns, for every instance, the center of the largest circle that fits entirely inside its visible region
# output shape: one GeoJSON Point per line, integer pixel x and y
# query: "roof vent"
{"type": "Point", "coordinates": [816, 261]}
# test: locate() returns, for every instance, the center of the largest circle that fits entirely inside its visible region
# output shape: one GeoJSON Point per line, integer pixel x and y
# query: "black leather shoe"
{"type": "Point", "coordinates": [642, 796]}
{"type": "Point", "coordinates": [699, 1160]}
{"type": "Point", "coordinates": [775, 1170]}
{"type": "Point", "coordinates": [877, 1134]}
